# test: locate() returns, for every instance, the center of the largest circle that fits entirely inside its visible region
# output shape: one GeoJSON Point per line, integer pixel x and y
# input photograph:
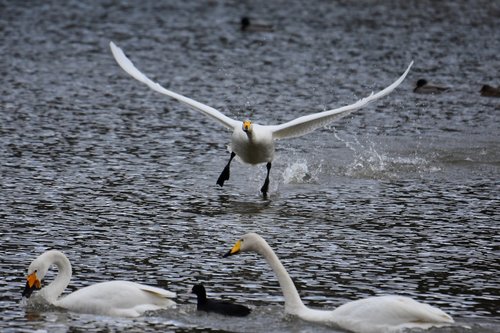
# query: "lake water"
{"type": "Point", "coordinates": [401, 197]}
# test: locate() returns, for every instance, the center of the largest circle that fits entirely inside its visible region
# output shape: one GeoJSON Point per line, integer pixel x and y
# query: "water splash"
{"type": "Point", "coordinates": [298, 173]}
{"type": "Point", "coordinates": [371, 160]}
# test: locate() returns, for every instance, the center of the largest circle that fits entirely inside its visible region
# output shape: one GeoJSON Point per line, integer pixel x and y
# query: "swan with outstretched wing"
{"type": "Point", "coordinates": [251, 142]}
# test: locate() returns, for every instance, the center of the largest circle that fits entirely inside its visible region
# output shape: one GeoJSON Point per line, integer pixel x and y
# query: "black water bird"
{"type": "Point", "coordinates": [251, 26]}
{"type": "Point", "coordinates": [489, 91]}
{"type": "Point", "coordinates": [220, 307]}
{"type": "Point", "coordinates": [423, 87]}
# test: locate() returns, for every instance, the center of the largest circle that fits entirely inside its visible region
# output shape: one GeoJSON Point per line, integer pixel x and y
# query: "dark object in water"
{"type": "Point", "coordinates": [423, 87]}
{"type": "Point", "coordinates": [489, 91]}
{"type": "Point", "coordinates": [220, 307]}
{"type": "Point", "coordinates": [247, 25]}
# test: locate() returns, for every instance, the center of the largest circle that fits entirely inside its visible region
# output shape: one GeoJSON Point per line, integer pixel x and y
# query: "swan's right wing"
{"type": "Point", "coordinates": [129, 67]}
{"type": "Point", "coordinates": [117, 298]}
{"type": "Point", "coordinates": [389, 312]}
{"type": "Point", "coordinates": [157, 291]}
{"type": "Point", "coordinates": [309, 123]}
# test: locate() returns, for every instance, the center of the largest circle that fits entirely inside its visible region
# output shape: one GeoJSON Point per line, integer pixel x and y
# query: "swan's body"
{"type": "Point", "coordinates": [368, 315]}
{"type": "Point", "coordinates": [113, 298]}
{"type": "Point", "coordinates": [251, 142]}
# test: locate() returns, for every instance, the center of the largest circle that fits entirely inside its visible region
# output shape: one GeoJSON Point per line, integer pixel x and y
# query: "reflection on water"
{"type": "Point", "coordinates": [400, 198]}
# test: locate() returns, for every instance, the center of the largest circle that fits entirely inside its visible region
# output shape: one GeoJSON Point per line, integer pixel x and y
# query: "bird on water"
{"type": "Point", "coordinates": [251, 142]}
{"type": "Point", "coordinates": [377, 314]}
{"type": "Point", "coordinates": [110, 298]}
{"type": "Point", "coordinates": [216, 306]}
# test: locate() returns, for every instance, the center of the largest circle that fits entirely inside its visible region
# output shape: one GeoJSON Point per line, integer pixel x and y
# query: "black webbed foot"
{"type": "Point", "coordinates": [225, 173]}
{"type": "Point", "coordinates": [223, 176]}
{"type": "Point", "coordinates": [264, 189]}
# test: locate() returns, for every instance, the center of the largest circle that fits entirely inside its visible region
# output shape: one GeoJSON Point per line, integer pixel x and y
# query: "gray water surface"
{"type": "Point", "coordinates": [402, 197]}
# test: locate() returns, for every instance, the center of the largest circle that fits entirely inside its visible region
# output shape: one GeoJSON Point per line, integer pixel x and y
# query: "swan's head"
{"type": "Point", "coordinates": [247, 126]}
{"type": "Point", "coordinates": [38, 269]}
{"type": "Point", "coordinates": [249, 242]}
{"type": "Point", "coordinates": [36, 272]}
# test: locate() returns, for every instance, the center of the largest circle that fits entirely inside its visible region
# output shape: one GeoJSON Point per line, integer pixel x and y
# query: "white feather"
{"type": "Point", "coordinates": [113, 298]}
{"type": "Point", "coordinates": [380, 314]}
{"type": "Point", "coordinates": [256, 145]}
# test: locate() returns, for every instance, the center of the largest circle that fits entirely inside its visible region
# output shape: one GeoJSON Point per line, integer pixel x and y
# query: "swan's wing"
{"type": "Point", "coordinates": [157, 291]}
{"type": "Point", "coordinates": [122, 298]}
{"type": "Point", "coordinates": [394, 311]}
{"type": "Point", "coordinates": [306, 124]}
{"type": "Point", "coordinates": [129, 67]}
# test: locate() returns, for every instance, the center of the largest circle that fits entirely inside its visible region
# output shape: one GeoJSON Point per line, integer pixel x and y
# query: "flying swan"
{"type": "Point", "coordinates": [251, 142]}
{"type": "Point", "coordinates": [112, 298]}
{"type": "Point", "coordinates": [368, 315]}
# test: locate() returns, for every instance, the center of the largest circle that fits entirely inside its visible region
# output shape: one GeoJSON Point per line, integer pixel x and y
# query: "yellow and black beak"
{"type": "Point", "coordinates": [235, 250]}
{"type": "Point", "coordinates": [32, 283]}
{"type": "Point", "coordinates": [246, 125]}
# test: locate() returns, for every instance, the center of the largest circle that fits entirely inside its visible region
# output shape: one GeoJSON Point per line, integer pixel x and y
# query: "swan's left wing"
{"type": "Point", "coordinates": [309, 123]}
{"type": "Point", "coordinates": [129, 67]}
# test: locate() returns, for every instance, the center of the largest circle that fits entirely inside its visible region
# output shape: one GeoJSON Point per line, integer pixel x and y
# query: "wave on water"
{"type": "Point", "coordinates": [37, 303]}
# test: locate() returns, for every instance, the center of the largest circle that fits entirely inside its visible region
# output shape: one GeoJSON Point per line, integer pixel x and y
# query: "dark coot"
{"type": "Point", "coordinates": [490, 91]}
{"type": "Point", "coordinates": [220, 307]}
{"type": "Point", "coordinates": [423, 87]}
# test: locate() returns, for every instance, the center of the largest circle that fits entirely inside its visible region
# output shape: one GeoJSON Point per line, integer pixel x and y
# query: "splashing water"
{"type": "Point", "coordinates": [374, 162]}
{"type": "Point", "coordinates": [298, 173]}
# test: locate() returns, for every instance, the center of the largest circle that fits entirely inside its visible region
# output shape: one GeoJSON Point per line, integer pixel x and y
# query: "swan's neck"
{"type": "Point", "coordinates": [52, 292]}
{"type": "Point", "coordinates": [293, 303]}
{"type": "Point", "coordinates": [249, 135]}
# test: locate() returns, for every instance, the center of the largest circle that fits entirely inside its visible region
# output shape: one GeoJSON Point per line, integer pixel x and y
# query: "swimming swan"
{"type": "Point", "coordinates": [367, 315]}
{"type": "Point", "coordinates": [113, 298]}
{"type": "Point", "coordinates": [251, 142]}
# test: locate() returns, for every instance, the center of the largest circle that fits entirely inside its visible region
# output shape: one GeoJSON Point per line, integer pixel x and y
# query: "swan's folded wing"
{"type": "Point", "coordinates": [309, 123]}
{"type": "Point", "coordinates": [117, 298]}
{"type": "Point", "coordinates": [129, 67]}
{"type": "Point", "coordinates": [390, 311]}
{"type": "Point", "coordinates": [158, 291]}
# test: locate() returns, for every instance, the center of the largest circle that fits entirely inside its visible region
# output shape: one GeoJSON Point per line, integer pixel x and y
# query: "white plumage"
{"type": "Point", "coordinates": [380, 314]}
{"type": "Point", "coordinates": [251, 142]}
{"type": "Point", "coordinates": [113, 298]}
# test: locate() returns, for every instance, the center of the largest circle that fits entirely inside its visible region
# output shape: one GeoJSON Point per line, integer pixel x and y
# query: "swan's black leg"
{"type": "Point", "coordinates": [265, 187]}
{"type": "Point", "coordinates": [225, 173]}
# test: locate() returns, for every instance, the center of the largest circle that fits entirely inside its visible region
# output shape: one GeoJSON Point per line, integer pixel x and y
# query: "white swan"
{"type": "Point", "coordinates": [113, 298]}
{"type": "Point", "coordinates": [251, 142]}
{"type": "Point", "coordinates": [368, 315]}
